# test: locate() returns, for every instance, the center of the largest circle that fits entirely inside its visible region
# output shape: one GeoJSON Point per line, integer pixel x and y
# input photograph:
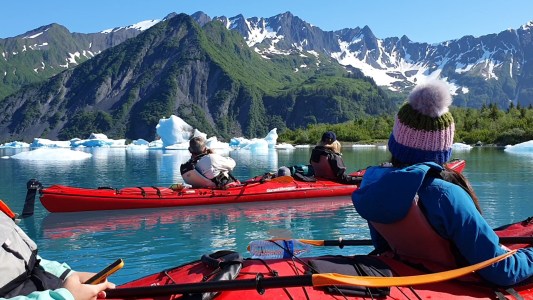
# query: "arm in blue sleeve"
{"type": "Point", "coordinates": [455, 217]}
{"type": "Point", "coordinates": [59, 294]}
{"type": "Point", "coordinates": [61, 270]}
{"type": "Point", "coordinates": [56, 268]}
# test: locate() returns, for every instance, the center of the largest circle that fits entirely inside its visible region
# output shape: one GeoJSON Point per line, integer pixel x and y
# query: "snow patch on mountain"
{"type": "Point", "coordinates": [141, 26]}
{"type": "Point", "coordinates": [527, 25]}
{"type": "Point", "coordinates": [257, 34]}
{"type": "Point", "coordinates": [33, 36]}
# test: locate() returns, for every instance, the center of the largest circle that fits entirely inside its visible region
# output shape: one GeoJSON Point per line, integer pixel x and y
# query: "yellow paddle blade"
{"type": "Point", "coordinates": [312, 242]}
{"type": "Point", "coordinates": [370, 281]}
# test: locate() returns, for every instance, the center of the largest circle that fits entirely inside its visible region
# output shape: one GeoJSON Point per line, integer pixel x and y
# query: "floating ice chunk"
{"type": "Point", "coordinates": [48, 154]}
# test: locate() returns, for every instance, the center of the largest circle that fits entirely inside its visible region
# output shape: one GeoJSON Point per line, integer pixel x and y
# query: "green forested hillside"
{"type": "Point", "coordinates": [488, 125]}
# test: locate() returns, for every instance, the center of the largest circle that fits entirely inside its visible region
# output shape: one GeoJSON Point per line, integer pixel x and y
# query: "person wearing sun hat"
{"type": "Point", "coordinates": [422, 212]}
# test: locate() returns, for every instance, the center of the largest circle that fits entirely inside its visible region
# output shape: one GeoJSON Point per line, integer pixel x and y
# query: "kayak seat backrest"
{"type": "Point", "coordinates": [197, 180]}
{"type": "Point", "coordinates": [358, 265]}
{"type": "Point", "coordinates": [225, 265]}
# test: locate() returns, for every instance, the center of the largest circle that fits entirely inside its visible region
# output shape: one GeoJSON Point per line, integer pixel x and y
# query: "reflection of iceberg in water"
{"type": "Point", "coordinates": [263, 159]}
{"type": "Point", "coordinates": [522, 148]}
{"type": "Point", "coordinates": [107, 159]}
{"type": "Point", "coordinates": [169, 166]}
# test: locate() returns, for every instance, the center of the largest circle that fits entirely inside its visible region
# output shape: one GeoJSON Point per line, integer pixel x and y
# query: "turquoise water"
{"type": "Point", "coordinates": [152, 240]}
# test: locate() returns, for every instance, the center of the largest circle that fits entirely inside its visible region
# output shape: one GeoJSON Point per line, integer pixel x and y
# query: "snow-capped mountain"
{"type": "Point", "coordinates": [493, 68]}
{"type": "Point", "coordinates": [48, 50]}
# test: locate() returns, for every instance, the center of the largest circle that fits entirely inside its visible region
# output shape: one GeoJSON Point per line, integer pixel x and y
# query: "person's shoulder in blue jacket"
{"type": "Point", "coordinates": [421, 142]}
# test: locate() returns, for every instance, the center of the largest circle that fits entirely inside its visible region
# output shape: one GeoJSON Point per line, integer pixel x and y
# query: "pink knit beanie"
{"type": "Point", "coordinates": [424, 128]}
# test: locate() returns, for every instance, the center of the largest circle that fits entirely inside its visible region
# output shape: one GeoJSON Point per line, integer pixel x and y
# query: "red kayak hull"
{"type": "Point", "coordinates": [453, 289]}
{"type": "Point", "coordinates": [62, 198]}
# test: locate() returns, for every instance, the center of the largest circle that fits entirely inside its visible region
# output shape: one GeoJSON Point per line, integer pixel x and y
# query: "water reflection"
{"type": "Point", "coordinates": [253, 163]}
{"type": "Point", "coordinates": [159, 238]}
{"type": "Point", "coordinates": [168, 165]}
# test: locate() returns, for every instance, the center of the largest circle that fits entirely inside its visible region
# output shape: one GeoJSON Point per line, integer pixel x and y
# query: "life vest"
{"type": "Point", "coordinates": [323, 168]}
{"type": "Point", "coordinates": [194, 178]}
{"type": "Point", "coordinates": [321, 163]}
{"type": "Point", "coordinates": [18, 260]}
{"type": "Point", "coordinates": [414, 240]}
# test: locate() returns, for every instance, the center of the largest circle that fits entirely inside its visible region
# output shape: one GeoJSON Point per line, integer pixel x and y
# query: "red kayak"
{"type": "Point", "coordinates": [61, 198]}
{"type": "Point", "coordinates": [225, 275]}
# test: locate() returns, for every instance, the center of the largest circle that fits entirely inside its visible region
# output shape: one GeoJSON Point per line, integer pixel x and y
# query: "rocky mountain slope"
{"type": "Point", "coordinates": [206, 75]}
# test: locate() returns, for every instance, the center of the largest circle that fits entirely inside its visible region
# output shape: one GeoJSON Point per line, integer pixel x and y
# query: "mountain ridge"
{"type": "Point", "coordinates": [396, 63]}
{"type": "Point", "coordinates": [238, 76]}
{"type": "Point", "coordinates": [206, 75]}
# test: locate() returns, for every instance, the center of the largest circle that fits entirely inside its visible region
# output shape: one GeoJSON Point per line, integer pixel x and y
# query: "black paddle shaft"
{"type": "Point", "coordinates": [341, 243]}
{"type": "Point", "coordinates": [259, 284]}
{"type": "Point", "coordinates": [29, 204]}
{"type": "Point", "coordinates": [504, 240]}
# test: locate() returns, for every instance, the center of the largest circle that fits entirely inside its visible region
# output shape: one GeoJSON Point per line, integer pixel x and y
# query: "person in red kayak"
{"type": "Point", "coordinates": [206, 168]}
{"type": "Point", "coordinates": [25, 275]}
{"type": "Point", "coordinates": [327, 162]}
{"type": "Point", "coordinates": [423, 213]}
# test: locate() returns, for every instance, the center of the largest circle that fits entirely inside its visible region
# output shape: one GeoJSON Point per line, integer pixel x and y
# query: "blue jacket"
{"type": "Point", "coordinates": [386, 194]}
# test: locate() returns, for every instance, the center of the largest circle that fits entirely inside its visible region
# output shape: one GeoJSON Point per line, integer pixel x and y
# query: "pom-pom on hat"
{"type": "Point", "coordinates": [424, 128]}
{"type": "Point", "coordinates": [328, 137]}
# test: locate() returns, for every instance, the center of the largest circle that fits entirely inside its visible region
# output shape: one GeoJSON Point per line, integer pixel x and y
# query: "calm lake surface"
{"type": "Point", "coordinates": [155, 239]}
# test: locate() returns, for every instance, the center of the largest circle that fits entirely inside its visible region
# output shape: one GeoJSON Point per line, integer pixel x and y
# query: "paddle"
{"type": "Point", "coordinates": [341, 243]}
{"type": "Point", "coordinates": [29, 203]}
{"type": "Point", "coordinates": [283, 179]}
{"type": "Point", "coordinates": [255, 246]}
{"type": "Point", "coordinates": [315, 280]}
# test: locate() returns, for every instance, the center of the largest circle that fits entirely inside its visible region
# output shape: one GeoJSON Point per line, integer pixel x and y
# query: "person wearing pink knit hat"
{"type": "Point", "coordinates": [423, 213]}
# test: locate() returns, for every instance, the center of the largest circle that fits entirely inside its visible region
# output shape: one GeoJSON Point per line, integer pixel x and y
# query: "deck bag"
{"type": "Point", "coordinates": [303, 173]}
{"type": "Point", "coordinates": [225, 265]}
{"type": "Point", "coordinates": [358, 265]}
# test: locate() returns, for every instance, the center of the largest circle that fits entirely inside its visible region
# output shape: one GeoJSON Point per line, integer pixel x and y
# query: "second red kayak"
{"type": "Point", "coordinates": [62, 198]}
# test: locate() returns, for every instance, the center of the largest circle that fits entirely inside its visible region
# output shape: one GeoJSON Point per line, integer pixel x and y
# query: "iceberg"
{"type": "Point", "coordinates": [15, 145]}
{"type": "Point", "coordinates": [284, 146]}
{"type": "Point", "coordinates": [49, 154]}
{"type": "Point", "coordinates": [173, 132]}
{"type": "Point", "coordinates": [38, 143]}
{"type": "Point", "coordinates": [522, 148]}
{"type": "Point", "coordinates": [461, 147]}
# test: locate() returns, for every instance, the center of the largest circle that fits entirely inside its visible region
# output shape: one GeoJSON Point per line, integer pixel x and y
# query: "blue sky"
{"type": "Point", "coordinates": [420, 20]}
